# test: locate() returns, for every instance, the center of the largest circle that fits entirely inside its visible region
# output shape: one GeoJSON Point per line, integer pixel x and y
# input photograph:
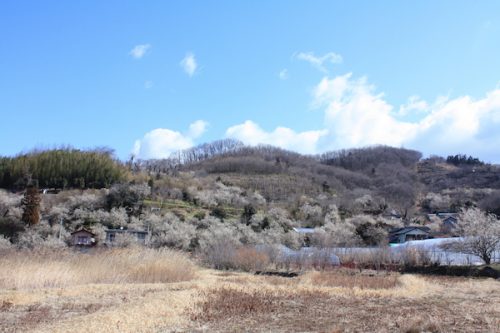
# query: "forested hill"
{"type": "Point", "coordinates": [371, 180]}
{"type": "Point", "coordinates": [61, 168]}
{"type": "Point", "coordinates": [367, 180]}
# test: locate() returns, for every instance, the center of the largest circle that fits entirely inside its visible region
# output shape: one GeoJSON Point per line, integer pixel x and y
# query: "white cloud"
{"type": "Point", "coordinates": [414, 104]}
{"type": "Point", "coordinates": [320, 62]}
{"type": "Point", "coordinates": [140, 50]}
{"type": "Point", "coordinates": [283, 74]}
{"type": "Point", "coordinates": [197, 128]}
{"type": "Point", "coordinates": [162, 142]}
{"type": "Point", "coordinates": [355, 115]}
{"type": "Point", "coordinates": [189, 64]}
{"type": "Point", "coordinates": [252, 134]}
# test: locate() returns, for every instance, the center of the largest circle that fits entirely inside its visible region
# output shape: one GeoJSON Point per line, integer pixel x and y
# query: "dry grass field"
{"type": "Point", "coordinates": [136, 290]}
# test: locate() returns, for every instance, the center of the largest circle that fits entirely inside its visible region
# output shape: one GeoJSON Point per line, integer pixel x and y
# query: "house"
{"type": "Point", "coordinates": [449, 224]}
{"type": "Point", "coordinates": [441, 216]}
{"type": "Point", "coordinates": [447, 221]}
{"type": "Point", "coordinates": [116, 235]}
{"type": "Point", "coordinates": [401, 235]}
{"type": "Point", "coordinates": [83, 237]}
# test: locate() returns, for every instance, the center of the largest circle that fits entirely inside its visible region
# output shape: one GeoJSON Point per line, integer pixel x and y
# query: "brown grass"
{"type": "Point", "coordinates": [31, 270]}
{"type": "Point", "coordinates": [215, 301]}
{"type": "Point", "coordinates": [229, 303]}
{"type": "Point", "coordinates": [352, 279]}
{"type": "Point", "coordinates": [460, 307]}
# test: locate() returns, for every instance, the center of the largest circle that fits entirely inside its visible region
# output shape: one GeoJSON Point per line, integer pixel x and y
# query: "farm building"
{"type": "Point", "coordinates": [83, 237]}
{"type": "Point", "coordinates": [113, 236]}
{"type": "Point", "coordinates": [401, 235]}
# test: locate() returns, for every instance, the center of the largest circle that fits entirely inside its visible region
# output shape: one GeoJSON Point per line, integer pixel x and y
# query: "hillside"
{"type": "Point", "coordinates": [225, 191]}
{"type": "Point", "coordinates": [386, 177]}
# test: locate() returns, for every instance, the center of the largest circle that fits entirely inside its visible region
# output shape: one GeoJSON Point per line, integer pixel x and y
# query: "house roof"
{"type": "Point", "coordinates": [84, 230]}
{"type": "Point", "coordinates": [406, 230]}
{"type": "Point", "coordinates": [130, 231]}
{"type": "Point", "coordinates": [442, 215]}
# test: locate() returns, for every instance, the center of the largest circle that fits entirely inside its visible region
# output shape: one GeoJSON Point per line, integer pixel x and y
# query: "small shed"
{"type": "Point", "coordinates": [83, 237]}
{"type": "Point", "coordinates": [401, 235]}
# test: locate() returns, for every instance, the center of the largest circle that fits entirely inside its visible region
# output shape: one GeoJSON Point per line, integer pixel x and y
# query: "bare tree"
{"type": "Point", "coordinates": [480, 233]}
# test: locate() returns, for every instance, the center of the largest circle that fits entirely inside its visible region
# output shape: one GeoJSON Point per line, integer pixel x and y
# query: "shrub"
{"type": "Point", "coordinates": [219, 212]}
{"type": "Point", "coordinates": [200, 215]}
{"type": "Point", "coordinates": [10, 227]}
{"type": "Point", "coordinates": [414, 257]}
{"type": "Point", "coordinates": [217, 247]}
{"type": "Point", "coordinates": [175, 234]}
{"type": "Point", "coordinates": [248, 259]}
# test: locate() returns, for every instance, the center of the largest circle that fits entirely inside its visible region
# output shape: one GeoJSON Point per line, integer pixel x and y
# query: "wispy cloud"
{"type": "Point", "coordinates": [283, 74]}
{"type": "Point", "coordinates": [189, 64]}
{"type": "Point", "coordinates": [148, 84]}
{"type": "Point", "coordinates": [140, 51]}
{"type": "Point", "coordinates": [320, 62]}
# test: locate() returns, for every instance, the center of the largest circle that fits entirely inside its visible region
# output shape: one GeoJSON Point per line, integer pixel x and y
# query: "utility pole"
{"type": "Point", "coordinates": [60, 226]}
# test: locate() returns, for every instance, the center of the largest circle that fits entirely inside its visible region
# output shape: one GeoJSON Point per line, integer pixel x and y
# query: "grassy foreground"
{"type": "Point", "coordinates": [140, 290]}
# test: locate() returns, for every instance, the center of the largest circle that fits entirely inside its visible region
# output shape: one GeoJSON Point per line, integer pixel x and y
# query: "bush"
{"type": "Point", "coordinates": [248, 259]}
{"type": "Point", "coordinates": [415, 257]}
{"type": "Point", "coordinates": [129, 196]}
{"type": "Point", "coordinates": [174, 234]}
{"type": "Point", "coordinates": [10, 227]}
{"type": "Point", "coordinates": [217, 246]}
{"type": "Point", "coordinates": [219, 212]}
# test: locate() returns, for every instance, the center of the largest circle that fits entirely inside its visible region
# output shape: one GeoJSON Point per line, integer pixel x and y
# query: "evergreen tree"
{"type": "Point", "coordinates": [31, 205]}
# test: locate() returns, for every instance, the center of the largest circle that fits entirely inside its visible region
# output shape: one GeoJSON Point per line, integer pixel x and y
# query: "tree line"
{"type": "Point", "coordinates": [463, 160]}
{"type": "Point", "coordinates": [61, 168]}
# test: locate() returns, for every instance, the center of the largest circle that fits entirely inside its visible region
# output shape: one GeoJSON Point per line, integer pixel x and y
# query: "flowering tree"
{"type": "Point", "coordinates": [480, 234]}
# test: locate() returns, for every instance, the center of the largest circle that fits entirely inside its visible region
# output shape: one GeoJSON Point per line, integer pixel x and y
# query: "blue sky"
{"type": "Point", "coordinates": [151, 77]}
